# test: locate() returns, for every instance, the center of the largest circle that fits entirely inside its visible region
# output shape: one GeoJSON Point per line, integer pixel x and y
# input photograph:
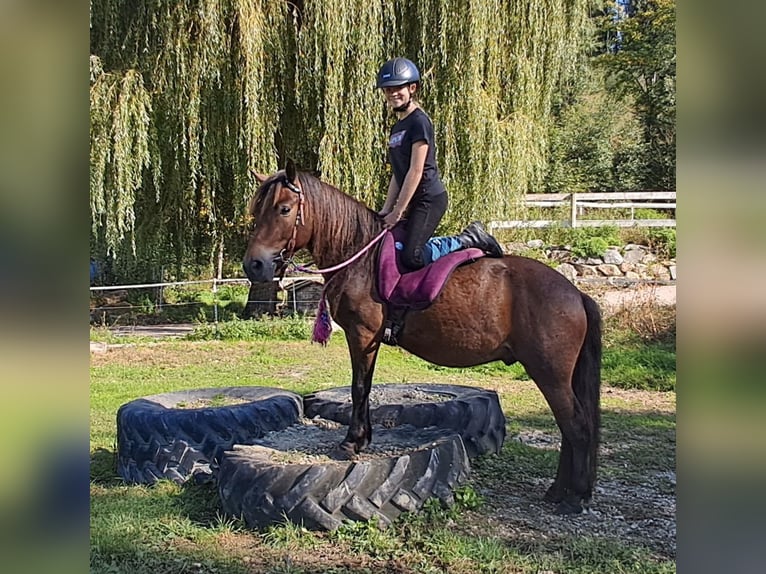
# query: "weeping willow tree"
{"type": "Point", "coordinates": [186, 98]}
{"type": "Point", "coordinates": [189, 97]}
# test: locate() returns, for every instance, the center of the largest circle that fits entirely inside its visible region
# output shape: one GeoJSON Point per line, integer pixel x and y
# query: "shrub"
{"type": "Point", "coordinates": [293, 328]}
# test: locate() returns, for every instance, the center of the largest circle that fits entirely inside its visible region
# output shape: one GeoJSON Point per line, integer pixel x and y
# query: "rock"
{"type": "Point", "coordinates": [585, 270]}
{"type": "Point", "coordinates": [672, 270]}
{"type": "Point", "coordinates": [627, 267]}
{"type": "Point", "coordinates": [515, 247]}
{"type": "Point", "coordinates": [567, 271]}
{"type": "Point", "coordinates": [560, 254]}
{"type": "Point", "coordinates": [535, 243]}
{"type": "Point", "coordinates": [649, 258]}
{"type": "Point", "coordinates": [659, 271]}
{"type": "Point", "coordinates": [633, 256]}
{"type": "Point", "coordinates": [609, 270]}
{"type": "Point", "coordinates": [612, 257]}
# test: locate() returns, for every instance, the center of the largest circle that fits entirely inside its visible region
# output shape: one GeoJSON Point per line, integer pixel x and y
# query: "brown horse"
{"type": "Point", "coordinates": [496, 309]}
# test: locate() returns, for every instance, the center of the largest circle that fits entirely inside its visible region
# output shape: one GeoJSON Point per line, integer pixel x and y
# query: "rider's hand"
{"type": "Point", "coordinates": [391, 219]}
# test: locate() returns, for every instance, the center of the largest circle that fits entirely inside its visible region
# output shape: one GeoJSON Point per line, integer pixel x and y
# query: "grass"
{"type": "Point", "coordinates": [167, 528]}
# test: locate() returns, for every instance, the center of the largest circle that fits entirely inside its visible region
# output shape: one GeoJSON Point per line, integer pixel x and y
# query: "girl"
{"type": "Point", "coordinates": [415, 188]}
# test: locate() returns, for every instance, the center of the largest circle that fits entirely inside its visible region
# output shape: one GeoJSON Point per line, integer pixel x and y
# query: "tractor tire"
{"type": "Point", "coordinates": [474, 413]}
{"type": "Point", "coordinates": [156, 440]}
{"type": "Point", "coordinates": [322, 496]}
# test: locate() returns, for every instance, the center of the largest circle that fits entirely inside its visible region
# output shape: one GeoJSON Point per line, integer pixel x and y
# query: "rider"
{"type": "Point", "coordinates": [415, 188]}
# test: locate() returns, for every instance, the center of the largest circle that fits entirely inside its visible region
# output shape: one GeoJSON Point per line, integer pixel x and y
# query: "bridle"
{"type": "Point", "coordinates": [286, 255]}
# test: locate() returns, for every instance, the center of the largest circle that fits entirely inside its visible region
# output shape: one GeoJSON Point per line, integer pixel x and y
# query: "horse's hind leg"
{"type": "Point", "coordinates": [572, 486]}
{"type": "Point", "coordinates": [556, 491]}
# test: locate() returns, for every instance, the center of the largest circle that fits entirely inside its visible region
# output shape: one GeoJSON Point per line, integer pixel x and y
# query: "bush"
{"type": "Point", "coordinates": [293, 328]}
{"type": "Point", "coordinates": [593, 241]}
{"type": "Point", "coordinates": [662, 241]}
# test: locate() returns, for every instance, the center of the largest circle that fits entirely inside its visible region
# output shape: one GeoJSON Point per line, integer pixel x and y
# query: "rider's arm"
{"type": "Point", "coordinates": [412, 179]}
{"type": "Point", "coordinates": [393, 192]}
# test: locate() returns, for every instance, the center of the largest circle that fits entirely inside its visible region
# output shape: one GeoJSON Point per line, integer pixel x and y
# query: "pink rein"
{"type": "Point", "coordinates": [347, 261]}
{"type": "Point", "coordinates": [323, 323]}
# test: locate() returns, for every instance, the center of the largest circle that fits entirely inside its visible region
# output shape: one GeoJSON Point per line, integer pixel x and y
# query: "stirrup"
{"type": "Point", "coordinates": [392, 328]}
{"type": "Point", "coordinates": [391, 332]}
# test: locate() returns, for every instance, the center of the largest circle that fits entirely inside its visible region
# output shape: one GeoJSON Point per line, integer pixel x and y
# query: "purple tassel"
{"type": "Point", "coordinates": [322, 325]}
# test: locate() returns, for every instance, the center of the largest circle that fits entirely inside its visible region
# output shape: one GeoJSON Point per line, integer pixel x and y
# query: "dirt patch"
{"type": "Point", "coordinates": [314, 441]}
{"type": "Point", "coordinates": [215, 401]}
{"type": "Point", "coordinates": [639, 514]}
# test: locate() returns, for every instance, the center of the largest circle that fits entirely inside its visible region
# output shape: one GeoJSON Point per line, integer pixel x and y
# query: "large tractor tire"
{"type": "Point", "coordinates": [256, 484]}
{"type": "Point", "coordinates": [471, 412]}
{"type": "Point", "coordinates": [158, 439]}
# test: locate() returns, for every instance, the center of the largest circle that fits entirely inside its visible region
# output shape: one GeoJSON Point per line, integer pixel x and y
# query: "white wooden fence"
{"type": "Point", "coordinates": [579, 202]}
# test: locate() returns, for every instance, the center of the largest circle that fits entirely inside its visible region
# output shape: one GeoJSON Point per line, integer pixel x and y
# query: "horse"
{"type": "Point", "coordinates": [510, 309]}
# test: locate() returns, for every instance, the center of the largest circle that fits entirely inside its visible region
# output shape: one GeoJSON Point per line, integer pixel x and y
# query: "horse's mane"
{"type": "Point", "coordinates": [342, 224]}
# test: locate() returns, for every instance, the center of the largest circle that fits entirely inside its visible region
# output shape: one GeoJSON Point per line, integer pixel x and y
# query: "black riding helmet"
{"type": "Point", "coordinates": [397, 72]}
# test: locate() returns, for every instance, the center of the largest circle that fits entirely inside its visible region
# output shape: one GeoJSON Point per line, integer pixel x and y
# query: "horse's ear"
{"type": "Point", "coordinates": [290, 171]}
{"type": "Point", "coordinates": [259, 176]}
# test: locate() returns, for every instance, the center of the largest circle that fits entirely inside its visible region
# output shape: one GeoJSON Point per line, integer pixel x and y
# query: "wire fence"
{"type": "Point", "coordinates": [189, 301]}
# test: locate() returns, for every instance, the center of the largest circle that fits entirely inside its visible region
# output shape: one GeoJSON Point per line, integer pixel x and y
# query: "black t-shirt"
{"type": "Point", "coordinates": [415, 127]}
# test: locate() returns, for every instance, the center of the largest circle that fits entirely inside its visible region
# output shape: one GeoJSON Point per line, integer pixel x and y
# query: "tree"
{"type": "Point", "coordinates": [642, 67]}
{"type": "Point", "coordinates": [189, 97]}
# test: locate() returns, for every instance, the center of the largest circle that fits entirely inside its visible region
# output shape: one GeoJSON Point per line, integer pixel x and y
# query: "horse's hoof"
{"type": "Point", "coordinates": [344, 451]}
{"type": "Point", "coordinates": [568, 507]}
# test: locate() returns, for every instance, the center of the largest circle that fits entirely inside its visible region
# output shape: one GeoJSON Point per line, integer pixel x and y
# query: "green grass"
{"type": "Point", "coordinates": [167, 528]}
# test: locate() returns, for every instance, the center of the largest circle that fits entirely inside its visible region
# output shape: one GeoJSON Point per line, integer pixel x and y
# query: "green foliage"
{"type": "Point", "coordinates": [643, 69]}
{"type": "Point", "coordinates": [662, 241]}
{"type": "Point", "coordinates": [595, 143]}
{"type": "Point", "coordinates": [293, 328]}
{"type": "Point", "coordinates": [188, 97]}
{"type": "Point", "coordinates": [592, 241]}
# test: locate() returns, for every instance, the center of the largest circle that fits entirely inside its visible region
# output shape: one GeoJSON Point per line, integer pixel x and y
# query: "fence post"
{"type": "Point", "coordinates": [573, 210]}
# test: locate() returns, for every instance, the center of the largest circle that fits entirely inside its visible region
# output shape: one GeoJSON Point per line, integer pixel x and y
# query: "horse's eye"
{"type": "Point", "coordinates": [284, 210]}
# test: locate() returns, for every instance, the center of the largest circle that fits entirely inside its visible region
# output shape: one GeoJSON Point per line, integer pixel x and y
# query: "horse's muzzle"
{"type": "Point", "coordinates": [259, 270]}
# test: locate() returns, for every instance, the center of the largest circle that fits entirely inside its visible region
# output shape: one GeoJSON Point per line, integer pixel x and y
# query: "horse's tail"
{"type": "Point", "coordinates": [586, 381]}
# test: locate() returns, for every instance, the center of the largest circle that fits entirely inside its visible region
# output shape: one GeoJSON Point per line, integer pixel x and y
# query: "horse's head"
{"type": "Point", "coordinates": [277, 225]}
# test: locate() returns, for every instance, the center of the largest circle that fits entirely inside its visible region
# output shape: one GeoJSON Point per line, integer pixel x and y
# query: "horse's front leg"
{"type": "Point", "coordinates": [363, 349]}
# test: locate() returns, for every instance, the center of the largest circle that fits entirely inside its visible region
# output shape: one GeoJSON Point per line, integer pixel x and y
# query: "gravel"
{"type": "Point", "coordinates": [313, 441]}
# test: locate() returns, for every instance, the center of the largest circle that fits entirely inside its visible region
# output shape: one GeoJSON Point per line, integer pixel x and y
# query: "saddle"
{"type": "Point", "coordinates": [402, 290]}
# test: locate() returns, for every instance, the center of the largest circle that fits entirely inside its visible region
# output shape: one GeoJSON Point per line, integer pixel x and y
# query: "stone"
{"type": "Point", "coordinates": [515, 247]}
{"type": "Point", "coordinates": [535, 243]}
{"type": "Point", "coordinates": [672, 270]}
{"type": "Point", "coordinates": [633, 255]}
{"type": "Point", "coordinates": [659, 271]}
{"type": "Point", "coordinates": [609, 270]}
{"type": "Point", "coordinates": [626, 267]}
{"type": "Point", "coordinates": [612, 257]}
{"type": "Point", "coordinates": [567, 271]}
{"type": "Point", "coordinates": [585, 270]}
{"type": "Point", "coordinates": [560, 254]}
{"type": "Point", "coordinates": [649, 258]}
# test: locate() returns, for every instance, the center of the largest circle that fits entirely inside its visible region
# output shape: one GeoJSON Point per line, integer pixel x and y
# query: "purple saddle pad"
{"type": "Point", "coordinates": [415, 289]}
